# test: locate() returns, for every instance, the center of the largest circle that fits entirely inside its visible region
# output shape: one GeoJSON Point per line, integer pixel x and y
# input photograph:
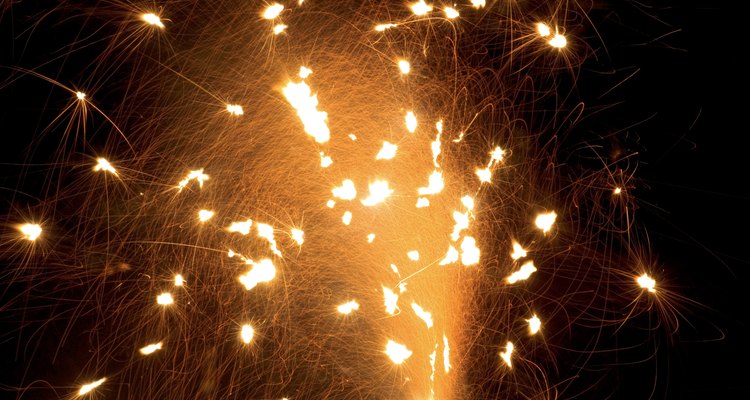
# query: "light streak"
{"type": "Point", "coordinates": [411, 121]}
{"type": "Point", "coordinates": [518, 251]}
{"type": "Point", "coordinates": [266, 232]}
{"type": "Point", "coordinates": [506, 355]}
{"type": "Point", "coordinates": [387, 152]}
{"type": "Point", "coordinates": [390, 301]}
{"type": "Point", "coordinates": [383, 27]}
{"type": "Point", "coordinates": [398, 353]}
{"type": "Point", "coordinates": [544, 221]}
{"type": "Point", "coordinates": [30, 232]}
{"type": "Point", "coordinates": [87, 388]}
{"type": "Point", "coordinates": [301, 98]}
{"type": "Point", "coordinates": [646, 282]}
{"type": "Point", "coordinates": [348, 307]}
{"type": "Point", "coordinates": [242, 227]}
{"type": "Point", "coordinates": [523, 273]}
{"type": "Point", "coordinates": [196, 175]}
{"type": "Point", "coordinates": [422, 314]}
{"type": "Point", "coordinates": [273, 11]}
{"type": "Point", "coordinates": [165, 299]}
{"type": "Point", "coordinates": [152, 19]}
{"type": "Point", "coordinates": [379, 191]}
{"type": "Point", "coordinates": [247, 333]}
{"type": "Point", "coordinates": [446, 355]}
{"type": "Point", "coordinates": [150, 349]}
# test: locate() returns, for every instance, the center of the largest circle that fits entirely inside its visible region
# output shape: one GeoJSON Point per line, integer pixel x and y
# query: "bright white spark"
{"type": "Point", "coordinates": [411, 121]}
{"type": "Point", "coordinates": [397, 352]}
{"type": "Point", "coordinates": [325, 161]}
{"type": "Point", "coordinates": [263, 271]}
{"type": "Point", "coordinates": [246, 333]}
{"type": "Point", "coordinates": [152, 19]}
{"type": "Point", "coordinates": [484, 174]}
{"type": "Point", "coordinates": [179, 280]}
{"type": "Point", "coordinates": [387, 152]}
{"type": "Point", "coordinates": [422, 314]}
{"type": "Point", "coordinates": [451, 256]}
{"type": "Point", "coordinates": [469, 251]}
{"type": "Point", "coordinates": [543, 29]}
{"type": "Point", "coordinates": [347, 218]}
{"type": "Point", "coordinates": [348, 307]}
{"type": "Point", "coordinates": [298, 236]}
{"type": "Point", "coordinates": [446, 355]}
{"type": "Point", "coordinates": [273, 11]}
{"type": "Point", "coordinates": [330, 203]}
{"type": "Point", "coordinates": [617, 190]}
{"type": "Point", "coordinates": [468, 202]}
{"type": "Point", "coordinates": [478, 3]}
{"type": "Point", "coordinates": [420, 8]}
{"type": "Point", "coordinates": [435, 184]}
{"type": "Point", "coordinates": [394, 268]}
{"type": "Point", "coordinates": [535, 324]}
{"type": "Point", "coordinates": [370, 237]}
{"type": "Point", "coordinates": [165, 299]}
{"type": "Point", "coordinates": [545, 221]}
{"type": "Point", "coordinates": [352, 136]}
{"type": "Point", "coordinates": [382, 27]}
{"type": "Point", "coordinates": [379, 191]}
{"type": "Point", "coordinates": [505, 355]}
{"type": "Point", "coordinates": [205, 215]}
{"type": "Point", "coordinates": [558, 41]}
{"type": "Point", "coordinates": [518, 251]}
{"type": "Point", "coordinates": [435, 144]}
{"type": "Point", "coordinates": [413, 255]}
{"type": "Point", "coordinates": [103, 165]}
{"type": "Point", "coordinates": [390, 300]}
{"type": "Point", "coordinates": [242, 227]}
{"type": "Point", "coordinates": [451, 13]}
{"type": "Point", "coordinates": [266, 232]}
{"type": "Point", "coordinates": [647, 282]}
{"type": "Point", "coordinates": [304, 72]}
{"type": "Point", "coordinates": [524, 273]}
{"type": "Point", "coordinates": [80, 95]}
{"type": "Point", "coordinates": [235, 109]}
{"type": "Point", "coordinates": [462, 222]}
{"type": "Point", "coordinates": [496, 155]}
{"type": "Point", "coordinates": [146, 350]}
{"type": "Point", "coordinates": [404, 66]}
{"type": "Point", "coordinates": [301, 98]}
{"type": "Point", "coordinates": [423, 202]}
{"type": "Point", "coordinates": [279, 28]}
{"type": "Point", "coordinates": [30, 231]}
{"type": "Point", "coordinates": [90, 386]}
{"type": "Point", "coordinates": [197, 175]}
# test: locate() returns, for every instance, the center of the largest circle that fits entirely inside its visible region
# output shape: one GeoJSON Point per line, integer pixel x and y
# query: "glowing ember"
{"type": "Point", "coordinates": [348, 307]}
{"type": "Point", "coordinates": [545, 221]}
{"type": "Point", "coordinates": [398, 353]}
{"type": "Point", "coordinates": [647, 282]}
{"type": "Point", "coordinates": [246, 333]}
{"type": "Point", "coordinates": [523, 273]}
{"type": "Point", "coordinates": [165, 299]}
{"type": "Point", "coordinates": [146, 350]}
{"type": "Point", "coordinates": [152, 19]}
{"type": "Point", "coordinates": [90, 386]}
{"type": "Point", "coordinates": [505, 355]}
{"type": "Point", "coordinates": [30, 231]}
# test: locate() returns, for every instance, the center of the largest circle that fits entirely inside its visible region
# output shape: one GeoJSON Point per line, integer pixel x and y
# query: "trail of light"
{"type": "Point", "coordinates": [150, 349]}
{"type": "Point", "coordinates": [196, 175]}
{"type": "Point", "coordinates": [446, 355]}
{"type": "Point", "coordinates": [382, 27]}
{"type": "Point", "coordinates": [306, 104]}
{"type": "Point", "coordinates": [506, 355]}
{"type": "Point", "coordinates": [266, 232]}
{"type": "Point", "coordinates": [397, 352]}
{"type": "Point", "coordinates": [90, 386]}
{"type": "Point", "coordinates": [422, 314]}
{"type": "Point", "coordinates": [524, 273]}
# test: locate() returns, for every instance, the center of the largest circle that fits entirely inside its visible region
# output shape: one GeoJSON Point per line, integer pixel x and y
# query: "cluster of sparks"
{"type": "Point", "coordinates": [351, 197]}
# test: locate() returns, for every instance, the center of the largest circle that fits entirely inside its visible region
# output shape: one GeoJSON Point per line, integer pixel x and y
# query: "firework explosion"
{"type": "Point", "coordinates": [317, 200]}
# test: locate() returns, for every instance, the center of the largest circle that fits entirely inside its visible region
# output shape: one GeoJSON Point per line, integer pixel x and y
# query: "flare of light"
{"type": "Point", "coordinates": [298, 236]}
{"type": "Point", "coordinates": [397, 352]}
{"type": "Point", "coordinates": [273, 11]}
{"type": "Point", "coordinates": [261, 272]}
{"type": "Point", "coordinates": [179, 280]}
{"type": "Point", "coordinates": [90, 386]}
{"type": "Point", "coordinates": [394, 268]}
{"type": "Point", "coordinates": [246, 333]}
{"type": "Point", "coordinates": [469, 251]}
{"type": "Point", "coordinates": [411, 121]}
{"type": "Point", "coordinates": [103, 165]}
{"type": "Point", "coordinates": [451, 256]}
{"type": "Point", "coordinates": [468, 202]}
{"type": "Point", "coordinates": [346, 191]}
{"type": "Point", "coordinates": [165, 299]}
{"type": "Point", "coordinates": [422, 314]}
{"type": "Point", "coordinates": [413, 255]}
{"type": "Point", "coordinates": [266, 232]}
{"type": "Point", "coordinates": [535, 324]}
{"type": "Point", "coordinates": [152, 19]}
{"type": "Point", "coordinates": [146, 350]}
{"type": "Point", "coordinates": [545, 221]}
{"type": "Point", "coordinates": [205, 215]}
{"type": "Point", "coordinates": [484, 174]}
{"type": "Point", "coordinates": [446, 355]}
{"type": "Point", "coordinates": [558, 41]}
{"type": "Point", "coordinates": [435, 184]}
{"type": "Point", "coordinates": [235, 109]}
{"type": "Point", "coordinates": [478, 3]}
{"type": "Point", "coordinates": [543, 29]}
{"type": "Point", "coordinates": [647, 282]}
{"type": "Point", "coordinates": [433, 358]}
{"type": "Point", "coordinates": [370, 237]}
{"type": "Point", "coordinates": [80, 95]}
{"type": "Point", "coordinates": [348, 307]}
{"type": "Point", "coordinates": [617, 190]}
{"type": "Point", "coordinates": [382, 27]}
{"type": "Point", "coordinates": [505, 355]}
{"type": "Point", "coordinates": [242, 227]}
{"type": "Point", "coordinates": [402, 287]}
{"type": "Point", "coordinates": [387, 152]}
{"type": "Point", "coordinates": [522, 274]}
{"type": "Point", "coordinates": [330, 203]}
{"type": "Point", "coordinates": [347, 218]}
{"type": "Point", "coordinates": [390, 301]}
{"type": "Point", "coordinates": [301, 98]}
{"type": "Point", "coordinates": [279, 28]}
{"type": "Point", "coordinates": [30, 231]}
{"type": "Point", "coordinates": [518, 251]}
{"type": "Point", "coordinates": [404, 66]}
{"type": "Point", "coordinates": [435, 144]}
{"type": "Point", "coordinates": [462, 222]}
{"type": "Point", "coordinates": [420, 8]}
{"type": "Point", "coordinates": [497, 155]}
{"type": "Point", "coordinates": [196, 175]}
{"type": "Point", "coordinates": [451, 13]}
{"type": "Point", "coordinates": [379, 191]}
{"type": "Point", "coordinates": [352, 136]}
{"type": "Point", "coordinates": [304, 72]}
{"type": "Point", "coordinates": [325, 161]}
{"type": "Point", "coordinates": [423, 202]}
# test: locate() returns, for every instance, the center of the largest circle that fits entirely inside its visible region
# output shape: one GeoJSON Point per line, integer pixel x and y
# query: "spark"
{"type": "Point", "coordinates": [462, 222]}
{"type": "Point", "coordinates": [152, 19]}
{"type": "Point", "coordinates": [379, 191]}
{"type": "Point", "coordinates": [647, 282]}
{"type": "Point", "coordinates": [420, 8]}
{"type": "Point", "coordinates": [435, 184]}
{"type": "Point", "coordinates": [103, 165]}
{"type": "Point", "coordinates": [451, 256]}
{"type": "Point", "coordinates": [90, 386]}
{"type": "Point", "coordinates": [298, 236]}
{"type": "Point", "coordinates": [304, 72]}
{"type": "Point", "coordinates": [348, 307]}
{"type": "Point", "coordinates": [411, 121]}
{"type": "Point", "coordinates": [404, 66]}
{"type": "Point", "coordinates": [352, 136]}
{"type": "Point", "coordinates": [505, 355]}
{"type": "Point", "coordinates": [330, 203]}
{"type": "Point", "coordinates": [242, 227]}
{"type": "Point", "coordinates": [80, 95]}
{"type": "Point", "coordinates": [422, 314]}
{"type": "Point", "coordinates": [535, 324]}
{"type": "Point", "coordinates": [446, 355]}
{"type": "Point", "coordinates": [382, 27]}
{"type": "Point", "coordinates": [469, 251]}
{"type": "Point", "coordinates": [484, 174]}
{"type": "Point", "coordinates": [279, 28]}
{"type": "Point", "coordinates": [347, 218]}
{"type": "Point", "coordinates": [617, 190]}
{"type": "Point", "coordinates": [558, 41]}
{"type": "Point", "coordinates": [246, 333]}
{"type": "Point", "coordinates": [261, 272]}
{"type": "Point", "coordinates": [30, 231]}
{"type": "Point", "coordinates": [518, 251]}
{"type": "Point", "coordinates": [397, 352]}
{"type": "Point", "coordinates": [451, 13]}
{"type": "Point", "coordinates": [394, 268]}
{"type": "Point", "coordinates": [266, 232]}
{"type": "Point", "coordinates": [543, 29]}
{"type": "Point", "coordinates": [390, 301]}
{"type": "Point", "coordinates": [165, 299]}
{"type": "Point", "coordinates": [205, 215]}
{"type": "Point", "coordinates": [423, 202]}
{"type": "Point", "coordinates": [301, 98]}
{"type": "Point", "coordinates": [273, 11]}
{"type": "Point", "coordinates": [387, 152]}
{"type": "Point", "coordinates": [196, 175]}
{"type": "Point", "coordinates": [478, 3]}
{"type": "Point", "coordinates": [435, 144]}
{"type": "Point", "coordinates": [179, 280]}
{"type": "Point", "coordinates": [325, 161]}
{"type": "Point", "coordinates": [370, 237]}
{"type": "Point", "coordinates": [524, 273]}
{"type": "Point", "coordinates": [413, 255]}
{"type": "Point", "coordinates": [235, 109]}
{"type": "Point", "coordinates": [468, 202]}
{"type": "Point", "coordinates": [497, 155]}
{"type": "Point", "coordinates": [150, 349]}
{"type": "Point", "coordinates": [544, 221]}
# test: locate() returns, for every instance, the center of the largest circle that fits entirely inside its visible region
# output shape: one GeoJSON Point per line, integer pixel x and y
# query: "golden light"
{"type": "Point", "coordinates": [379, 191]}
{"type": "Point", "coordinates": [435, 184]}
{"type": "Point", "coordinates": [152, 19]}
{"type": "Point", "coordinates": [325, 160]}
{"type": "Point", "coordinates": [462, 222]}
{"type": "Point", "coordinates": [506, 355]}
{"type": "Point", "coordinates": [196, 175]}
{"type": "Point", "coordinates": [518, 251]}
{"type": "Point", "coordinates": [469, 251]}
{"type": "Point", "coordinates": [272, 11]}
{"type": "Point", "coordinates": [347, 218]}
{"type": "Point", "coordinates": [390, 301]}
{"type": "Point", "coordinates": [451, 256]}
{"type": "Point", "coordinates": [301, 98]}
{"type": "Point", "coordinates": [298, 236]}
{"type": "Point", "coordinates": [330, 203]}
{"type": "Point", "coordinates": [523, 273]}
{"type": "Point", "coordinates": [150, 349]}
{"type": "Point", "coordinates": [103, 165]}
{"type": "Point", "coordinates": [617, 191]}
{"type": "Point", "coordinates": [370, 237]}
{"type": "Point", "coordinates": [468, 202]}
{"type": "Point", "coordinates": [422, 314]}
{"type": "Point", "coordinates": [446, 355]}
{"type": "Point", "coordinates": [179, 280]}
{"type": "Point", "coordinates": [646, 282]}
{"type": "Point", "coordinates": [398, 353]}
{"type": "Point", "coordinates": [535, 324]}
{"type": "Point", "coordinates": [304, 72]}
{"type": "Point", "coordinates": [387, 152]}
{"type": "Point", "coordinates": [544, 221]}
{"type": "Point", "coordinates": [261, 272]}
{"type": "Point", "coordinates": [235, 109]}
{"type": "Point", "coordinates": [279, 28]}
{"type": "Point", "coordinates": [484, 174]}
{"type": "Point", "coordinates": [404, 66]}
{"type": "Point", "coordinates": [242, 227]}
{"type": "Point", "coordinates": [205, 215]}
{"type": "Point", "coordinates": [30, 231]}
{"type": "Point", "coordinates": [80, 95]}
{"type": "Point", "coordinates": [497, 154]}
{"type": "Point", "coordinates": [478, 3]}
{"type": "Point", "coordinates": [420, 8]}
{"type": "Point", "coordinates": [90, 386]}
{"type": "Point", "coordinates": [450, 13]}
{"type": "Point", "coordinates": [558, 41]}
{"type": "Point", "coordinates": [165, 299]}
{"type": "Point", "coordinates": [382, 27]}
{"type": "Point", "coordinates": [423, 202]}
{"type": "Point", "coordinates": [266, 232]}
{"type": "Point", "coordinates": [413, 255]}
{"type": "Point", "coordinates": [543, 29]}
{"type": "Point", "coordinates": [247, 333]}
{"type": "Point", "coordinates": [348, 307]}
{"type": "Point", "coordinates": [411, 121]}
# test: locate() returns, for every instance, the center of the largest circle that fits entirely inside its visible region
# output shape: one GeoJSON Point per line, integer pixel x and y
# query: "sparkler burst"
{"type": "Point", "coordinates": [407, 244]}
